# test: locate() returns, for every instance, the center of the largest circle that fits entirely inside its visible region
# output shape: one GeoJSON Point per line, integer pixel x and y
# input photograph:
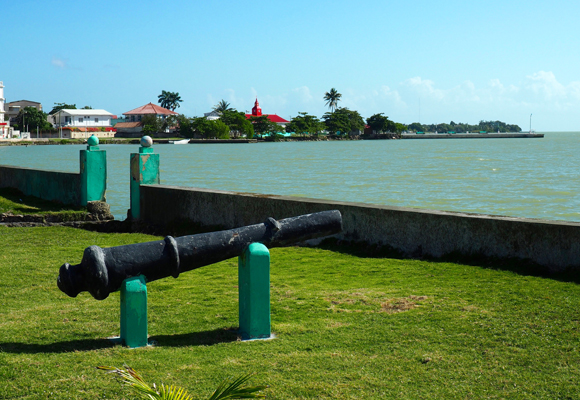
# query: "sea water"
{"type": "Point", "coordinates": [532, 178]}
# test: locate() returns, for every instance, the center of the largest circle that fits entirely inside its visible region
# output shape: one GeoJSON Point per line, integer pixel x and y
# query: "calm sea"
{"type": "Point", "coordinates": [534, 178]}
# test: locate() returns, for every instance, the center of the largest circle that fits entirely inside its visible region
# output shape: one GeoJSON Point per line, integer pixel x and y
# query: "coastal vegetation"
{"type": "Point", "coordinates": [305, 125]}
{"type": "Point", "coordinates": [342, 120]}
{"type": "Point", "coordinates": [350, 323]}
{"type": "Point", "coordinates": [339, 122]}
{"type": "Point", "coordinates": [486, 126]}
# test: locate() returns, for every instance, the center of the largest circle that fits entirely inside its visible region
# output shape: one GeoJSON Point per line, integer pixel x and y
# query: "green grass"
{"type": "Point", "coordinates": [14, 202]}
{"type": "Point", "coordinates": [347, 327]}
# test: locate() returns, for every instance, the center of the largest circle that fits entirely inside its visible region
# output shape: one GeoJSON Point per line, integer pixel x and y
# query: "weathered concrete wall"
{"type": "Point", "coordinates": [49, 185]}
{"type": "Point", "coordinates": [552, 244]}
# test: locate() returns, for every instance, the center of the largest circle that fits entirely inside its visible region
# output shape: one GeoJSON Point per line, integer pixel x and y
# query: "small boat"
{"type": "Point", "coordinates": [183, 141]}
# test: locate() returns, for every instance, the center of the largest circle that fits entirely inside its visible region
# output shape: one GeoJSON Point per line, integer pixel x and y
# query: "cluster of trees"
{"type": "Point", "coordinates": [231, 122]}
{"type": "Point", "coordinates": [487, 126]}
{"type": "Point", "coordinates": [31, 119]}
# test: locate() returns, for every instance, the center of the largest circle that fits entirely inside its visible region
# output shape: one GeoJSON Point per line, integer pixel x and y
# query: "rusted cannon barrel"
{"type": "Point", "coordinates": [102, 271]}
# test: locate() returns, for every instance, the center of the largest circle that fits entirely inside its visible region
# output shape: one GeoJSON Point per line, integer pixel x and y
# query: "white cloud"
{"type": "Point", "coordinates": [59, 62]}
{"type": "Point", "coordinates": [544, 85]}
{"type": "Point", "coordinates": [303, 94]}
{"type": "Point", "coordinates": [421, 99]}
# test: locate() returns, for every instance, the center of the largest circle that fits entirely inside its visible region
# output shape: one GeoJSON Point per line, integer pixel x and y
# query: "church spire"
{"type": "Point", "coordinates": [256, 110]}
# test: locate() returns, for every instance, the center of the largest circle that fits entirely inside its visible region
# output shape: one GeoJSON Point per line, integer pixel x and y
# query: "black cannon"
{"type": "Point", "coordinates": [103, 271]}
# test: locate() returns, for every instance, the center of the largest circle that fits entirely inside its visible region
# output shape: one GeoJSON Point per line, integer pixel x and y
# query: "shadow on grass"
{"type": "Point", "coordinates": [57, 347]}
{"type": "Point", "coordinates": [518, 266]}
{"type": "Point", "coordinates": [205, 338]}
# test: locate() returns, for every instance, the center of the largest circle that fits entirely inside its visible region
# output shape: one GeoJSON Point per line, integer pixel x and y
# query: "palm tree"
{"type": "Point", "coordinates": [222, 106]}
{"type": "Point", "coordinates": [169, 100]}
{"type": "Point", "coordinates": [226, 390]}
{"type": "Point", "coordinates": [163, 99]}
{"type": "Point", "coordinates": [332, 98]}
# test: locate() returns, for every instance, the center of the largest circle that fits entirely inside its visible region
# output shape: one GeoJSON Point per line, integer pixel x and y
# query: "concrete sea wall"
{"type": "Point", "coordinates": [473, 136]}
{"type": "Point", "coordinates": [552, 244]}
{"type": "Point", "coordinates": [49, 185]}
{"type": "Point", "coordinates": [414, 232]}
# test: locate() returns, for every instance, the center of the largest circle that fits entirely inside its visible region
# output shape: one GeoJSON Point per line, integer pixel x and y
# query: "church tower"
{"type": "Point", "coordinates": [256, 110]}
{"type": "Point", "coordinates": [2, 100]}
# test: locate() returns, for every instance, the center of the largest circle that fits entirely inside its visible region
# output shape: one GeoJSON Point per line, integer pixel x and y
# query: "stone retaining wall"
{"type": "Point", "coordinates": [63, 187]}
{"type": "Point", "coordinates": [414, 232]}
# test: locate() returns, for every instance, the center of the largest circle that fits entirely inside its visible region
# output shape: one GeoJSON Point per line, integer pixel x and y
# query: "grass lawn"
{"type": "Point", "coordinates": [347, 327]}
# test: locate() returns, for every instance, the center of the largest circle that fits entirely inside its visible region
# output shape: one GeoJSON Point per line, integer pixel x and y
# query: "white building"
{"type": "Point", "coordinates": [5, 129]}
{"type": "Point", "coordinates": [2, 100]}
{"type": "Point", "coordinates": [81, 118]}
{"type": "Point", "coordinates": [83, 123]}
{"type": "Point", "coordinates": [212, 115]}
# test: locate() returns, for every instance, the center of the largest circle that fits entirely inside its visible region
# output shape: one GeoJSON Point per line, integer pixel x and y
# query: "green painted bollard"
{"type": "Point", "coordinates": [144, 171]}
{"type": "Point", "coordinates": [134, 312]}
{"type": "Point", "coordinates": [93, 172]}
{"type": "Point", "coordinates": [254, 292]}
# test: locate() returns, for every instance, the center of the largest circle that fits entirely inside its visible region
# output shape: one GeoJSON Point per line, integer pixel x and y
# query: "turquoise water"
{"type": "Point", "coordinates": [534, 178]}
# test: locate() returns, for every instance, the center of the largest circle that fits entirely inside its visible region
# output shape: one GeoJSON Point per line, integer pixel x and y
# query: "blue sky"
{"type": "Point", "coordinates": [414, 61]}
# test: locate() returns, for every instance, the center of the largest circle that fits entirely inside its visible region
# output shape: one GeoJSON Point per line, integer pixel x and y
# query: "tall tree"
{"type": "Point", "coordinates": [151, 124]}
{"type": "Point", "coordinates": [206, 128]}
{"type": "Point", "coordinates": [238, 123]}
{"type": "Point", "coordinates": [381, 123]}
{"type": "Point", "coordinates": [305, 124]}
{"type": "Point", "coordinates": [343, 121]}
{"type": "Point", "coordinates": [31, 118]}
{"type": "Point", "coordinates": [332, 98]}
{"type": "Point", "coordinates": [222, 106]}
{"type": "Point", "coordinates": [169, 100]}
{"type": "Point", "coordinates": [263, 125]}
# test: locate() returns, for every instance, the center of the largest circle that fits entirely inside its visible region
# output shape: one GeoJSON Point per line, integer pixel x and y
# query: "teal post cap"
{"type": "Point", "coordinates": [93, 143]}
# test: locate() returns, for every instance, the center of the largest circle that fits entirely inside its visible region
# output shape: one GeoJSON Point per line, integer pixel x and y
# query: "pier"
{"type": "Point", "coordinates": [508, 135]}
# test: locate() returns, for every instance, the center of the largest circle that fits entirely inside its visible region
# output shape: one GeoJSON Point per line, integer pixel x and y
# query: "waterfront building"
{"type": "Point", "coordinates": [133, 126]}
{"type": "Point", "coordinates": [3, 125]}
{"type": "Point", "coordinates": [5, 128]}
{"type": "Point", "coordinates": [13, 108]}
{"type": "Point", "coordinates": [2, 100]}
{"type": "Point", "coordinates": [75, 124]}
{"type": "Point", "coordinates": [212, 115]}
{"type": "Point", "coordinates": [257, 111]}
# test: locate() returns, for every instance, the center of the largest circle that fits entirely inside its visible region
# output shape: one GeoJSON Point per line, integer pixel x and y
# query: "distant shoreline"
{"type": "Point", "coordinates": [44, 141]}
{"type": "Point", "coordinates": [509, 135]}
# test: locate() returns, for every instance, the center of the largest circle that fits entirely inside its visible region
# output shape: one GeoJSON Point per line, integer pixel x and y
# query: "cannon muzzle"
{"type": "Point", "coordinates": [102, 271]}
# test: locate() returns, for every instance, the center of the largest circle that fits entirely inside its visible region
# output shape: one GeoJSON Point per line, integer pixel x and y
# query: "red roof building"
{"type": "Point", "coordinates": [257, 111]}
{"type": "Point", "coordinates": [148, 109]}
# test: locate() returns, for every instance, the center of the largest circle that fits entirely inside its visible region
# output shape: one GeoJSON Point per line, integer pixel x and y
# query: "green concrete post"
{"type": "Point", "coordinates": [254, 292]}
{"type": "Point", "coordinates": [134, 312]}
{"type": "Point", "coordinates": [144, 171]}
{"type": "Point", "coordinates": [93, 172]}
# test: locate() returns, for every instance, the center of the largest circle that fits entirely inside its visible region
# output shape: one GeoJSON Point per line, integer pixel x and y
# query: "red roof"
{"type": "Point", "coordinates": [271, 117]}
{"type": "Point", "coordinates": [128, 124]}
{"type": "Point", "coordinates": [150, 109]}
